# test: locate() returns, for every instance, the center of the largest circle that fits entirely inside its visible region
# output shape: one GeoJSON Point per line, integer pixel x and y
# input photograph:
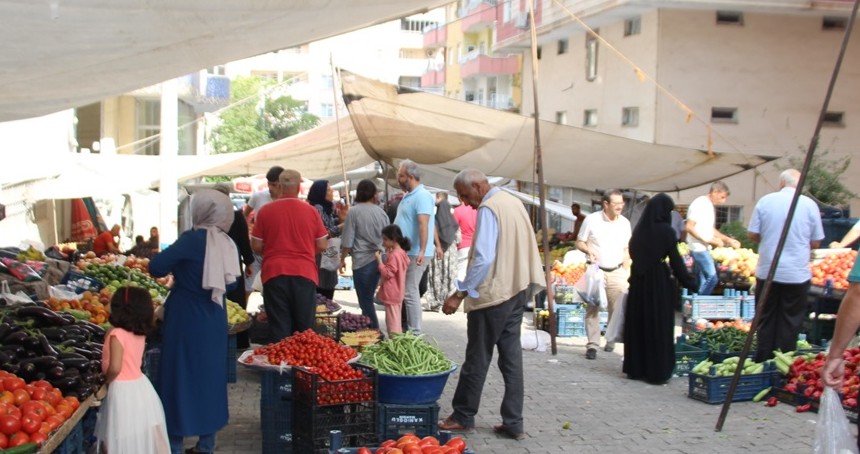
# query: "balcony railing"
{"type": "Point", "coordinates": [477, 65]}
{"type": "Point", "coordinates": [477, 16]}
{"type": "Point", "coordinates": [433, 78]}
{"type": "Point", "coordinates": [436, 37]}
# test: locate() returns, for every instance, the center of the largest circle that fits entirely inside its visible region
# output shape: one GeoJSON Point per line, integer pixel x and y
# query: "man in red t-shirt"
{"type": "Point", "coordinates": [288, 233]}
{"type": "Point", "coordinates": [105, 242]}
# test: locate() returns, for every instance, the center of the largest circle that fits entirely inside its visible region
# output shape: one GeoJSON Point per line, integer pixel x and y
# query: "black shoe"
{"type": "Point", "coordinates": [591, 353]}
{"type": "Point", "coordinates": [609, 348]}
{"type": "Point", "coordinates": [194, 450]}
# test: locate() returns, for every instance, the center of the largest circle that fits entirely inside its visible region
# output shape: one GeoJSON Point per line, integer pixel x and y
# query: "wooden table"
{"type": "Point", "coordinates": [63, 431]}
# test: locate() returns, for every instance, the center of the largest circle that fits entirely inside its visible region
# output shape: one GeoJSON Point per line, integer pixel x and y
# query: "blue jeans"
{"type": "Point", "coordinates": [365, 280]}
{"type": "Point", "coordinates": [706, 272]}
{"type": "Point", "coordinates": [206, 443]}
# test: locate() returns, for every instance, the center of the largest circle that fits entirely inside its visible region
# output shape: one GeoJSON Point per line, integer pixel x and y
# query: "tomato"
{"type": "Point", "coordinates": [65, 410]}
{"type": "Point", "coordinates": [38, 438]}
{"type": "Point", "coordinates": [363, 451]}
{"type": "Point", "coordinates": [20, 438]}
{"type": "Point", "coordinates": [21, 396]}
{"type": "Point", "coordinates": [382, 450]}
{"type": "Point", "coordinates": [9, 424]}
{"type": "Point", "coordinates": [49, 409]}
{"type": "Point", "coordinates": [30, 424]}
{"type": "Point", "coordinates": [388, 444]}
{"type": "Point", "coordinates": [4, 441]}
{"type": "Point", "coordinates": [55, 421]}
{"type": "Point", "coordinates": [457, 443]}
{"type": "Point", "coordinates": [428, 441]}
{"type": "Point", "coordinates": [435, 450]}
{"type": "Point", "coordinates": [7, 397]}
{"type": "Point", "coordinates": [11, 384]}
{"type": "Point", "coordinates": [394, 451]}
{"type": "Point", "coordinates": [34, 408]}
{"type": "Point", "coordinates": [8, 409]}
{"type": "Point", "coordinates": [38, 393]}
{"type": "Point", "coordinates": [43, 384]}
{"type": "Point", "coordinates": [45, 428]}
{"type": "Point", "coordinates": [55, 397]}
{"type": "Point", "coordinates": [73, 402]}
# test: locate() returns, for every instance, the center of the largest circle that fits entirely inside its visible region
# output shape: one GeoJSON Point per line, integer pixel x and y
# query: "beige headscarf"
{"type": "Point", "coordinates": [213, 211]}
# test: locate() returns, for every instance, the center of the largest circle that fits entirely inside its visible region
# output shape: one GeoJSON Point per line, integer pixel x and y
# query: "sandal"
{"type": "Point", "coordinates": [505, 430]}
{"type": "Point", "coordinates": [450, 424]}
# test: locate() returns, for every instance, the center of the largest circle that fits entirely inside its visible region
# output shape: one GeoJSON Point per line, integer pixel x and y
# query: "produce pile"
{"type": "Point", "coordinates": [834, 268]}
{"type": "Point", "coordinates": [307, 349]}
{"type": "Point", "coordinates": [361, 338]}
{"type": "Point", "coordinates": [353, 322]}
{"type": "Point", "coordinates": [91, 306]}
{"type": "Point", "coordinates": [116, 276]}
{"type": "Point", "coordinates": [567, 274]}
{"type": "Point", "coordinates": [739, 264]}
{"type": "Point", "coordinates": [727, 338]}
{"type": "Point", "coordinates": [727, 367]}
{"type": "Point", "coordinates": [325, 304]}
{"type": "Point", "coordinates": [803, 375]}
{"type": "Point", "coordinates": [410, 443]}
{"type": "Point", "coordinates": [405, 355]}
{"type": "Point", "coordinates": [702, 324]}
{"type": "Point", "coordinates": [30, 412]}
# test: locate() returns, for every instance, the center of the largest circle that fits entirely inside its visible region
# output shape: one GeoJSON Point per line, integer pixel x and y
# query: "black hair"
{"type": "Point", "coordinates": [365, 191]}
{"type": "Point", "coordinates": [131, 309]}
{"type": "Point", "coordinates": [392, 232]}
{"type": "Point", "coordinates": [139, 239]}
{"type": "Point", "coordinates": [274, 173]}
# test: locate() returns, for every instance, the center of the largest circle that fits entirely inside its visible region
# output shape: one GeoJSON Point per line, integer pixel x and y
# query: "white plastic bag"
{"type": "Point", "coordinates": [615, 327]}
{"type": "Point", "coordinates": [592, 288]}
{"type": "Point", "coordinates": [13, 298]}
{"type": "Point", "coordinates": [330, 259]}
{"type": "Point", "coordinates": [833, 433]}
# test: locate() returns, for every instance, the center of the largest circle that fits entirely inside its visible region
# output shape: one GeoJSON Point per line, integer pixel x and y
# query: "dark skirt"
{"type": "Point", "coordinates": [649, 324]}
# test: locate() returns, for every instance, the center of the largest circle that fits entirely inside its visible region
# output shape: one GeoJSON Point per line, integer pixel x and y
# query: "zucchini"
{"type": "Point", "coordinates": [762, 394]}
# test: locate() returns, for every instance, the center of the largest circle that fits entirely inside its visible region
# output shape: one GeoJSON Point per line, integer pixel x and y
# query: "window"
{"type": "Point", "coordinates": [327, 81]}
{"type": "Point", "coordinates": [216, 70]}
{"type": "Point", "coordinates": [561, 117]}
{"type": "Point", "coordinates": [630, 116]}
{"type": "Point", "coordinates": [470, 96]}
{"type": "Point", "coordinates": [632, 26]}
{"type": "Point", "coordinates": [730, 18]}
{"type": "Point", "coordinates": [834, 119]}
{"type": "Point", "coordinates": [148, 127]}
{"type": "Point", "coordinates": [416, 25]}
{"type": "Point", "coordinates": [271, 76]}
{"type": "Point", "coordinates": [408, 81]}
{"type": "Point", "coordinates": [724, 115]}
{"type": "Point", "coordinates": [591, 57]}
{"type": "Point", "coordinates": [507, 12]}
{"type": "Point", "coordinates": [562, 46]}
{"type": "Point", "coordinates": [834, 23]}
{"type": "Point", "coordinates": [326, 109]}
{"type": "Point", "coordinates": [589, 117]}
{"type": "Point", "coordinates": [727, 213]}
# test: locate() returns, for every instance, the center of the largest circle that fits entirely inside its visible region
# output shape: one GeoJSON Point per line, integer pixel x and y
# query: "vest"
{"type": "Point", "coordinates": [517, 266]}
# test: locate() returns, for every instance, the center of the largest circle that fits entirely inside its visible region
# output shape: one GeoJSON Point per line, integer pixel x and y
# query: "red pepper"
{"type": "Point", "coordinates": [772, 402]}
{"type": "Point", "coordinates": [803, 408]}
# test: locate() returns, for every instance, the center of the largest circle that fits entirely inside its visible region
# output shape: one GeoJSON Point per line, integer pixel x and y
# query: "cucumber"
{"type": "Point", "coordinates": [27, 448]}
{"type": "Point", "coordinates": [761, 394]}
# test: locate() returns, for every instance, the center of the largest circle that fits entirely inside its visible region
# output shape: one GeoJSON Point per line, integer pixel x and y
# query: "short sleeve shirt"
{"type": "Point", "coordinates": [289, 229]}
{"type": "Point", "coordinates": [608, 239]}
{"type": "Point", "coordinates": [768, 219]}
{"type": "Point", "coordinates": [701, 211]}
{"type": "Point", "coordinates": [415, 202]}
{"type": "Point", "coordinates": [103, 242]}
{"type": "Point", "coordinates": [466, 217]}
{"type": "Point", "coordinates": [259, 199]}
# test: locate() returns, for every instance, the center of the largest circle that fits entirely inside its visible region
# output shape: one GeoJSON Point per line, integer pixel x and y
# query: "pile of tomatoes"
{"type": "Point", "coordinates": [835, 268]}
{"type": "Point", "coordinates": [307, 349]}
{"type": "Point", "coordinates": [411, 444]}
{"type": "Point", "coordinates": [30, 412]}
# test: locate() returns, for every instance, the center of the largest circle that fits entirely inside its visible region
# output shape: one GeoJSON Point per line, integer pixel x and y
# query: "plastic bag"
{"type": "Point", "coordinates": [13, 298]}
{"type": "Point", "coordinates": [591, 287]}
{"type": "Point", "coordinates": [833, 433]}
{"type": "Point", "coordinates": [615, 327]}
{"type": "Point", "coordinates": [62, 292]}
{"type": "Point", "coordinates": [330, 259]}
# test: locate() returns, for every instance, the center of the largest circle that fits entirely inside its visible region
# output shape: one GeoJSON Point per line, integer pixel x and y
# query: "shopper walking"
{"type": "Point", "coordinates": [131, 418]}
{"type": "Point", "coordinates": [393, 272]}
{"type": "Point", "coordinates": [504, 273]}
{"type": "Point", "coordinates": [193, 372]}
{"type": "Point", "coordinates": [321, 196]}
{"type": "Point", "coordinates": [649, 318]}
{"type": "Point", "coordinates": [702, 235]}
{"type": "Point", "coordinates": [362, 239]}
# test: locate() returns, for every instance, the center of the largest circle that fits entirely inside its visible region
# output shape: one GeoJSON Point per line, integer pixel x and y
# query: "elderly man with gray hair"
{"type": "Point", "coordinates": [415, 219]}
{"type": "Point", "coordinates": [783, 312]}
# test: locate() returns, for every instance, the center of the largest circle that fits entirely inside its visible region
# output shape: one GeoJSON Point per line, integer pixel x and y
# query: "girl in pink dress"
{"type": "Point", "coordinates": [392, 273]}
{"type": "Point", "coordinates": [131, 418]}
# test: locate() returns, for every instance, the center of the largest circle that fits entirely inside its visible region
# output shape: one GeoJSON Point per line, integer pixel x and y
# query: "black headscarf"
{"type": "Point", "coordinates": [316, 196]}
{"type": "Point", "coordinates": [446, 224]}
{"type": "Point", "coordinates": [647, 243]}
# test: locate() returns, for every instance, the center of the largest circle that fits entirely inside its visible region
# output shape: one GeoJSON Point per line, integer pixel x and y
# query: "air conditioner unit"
{"type": "Point", "coordinates": [523, 21]}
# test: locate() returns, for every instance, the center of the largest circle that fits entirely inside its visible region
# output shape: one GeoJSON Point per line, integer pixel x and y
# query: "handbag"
{"type": "Point", "coordinates": [330, 259]}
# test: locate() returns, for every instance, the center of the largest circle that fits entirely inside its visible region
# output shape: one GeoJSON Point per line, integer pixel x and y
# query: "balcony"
{"type": "Point", "coordinates": [477, 16]}
{"type": "Point", "coordinates": [436, 37]}
{"type": "Point", "coordinates": [433, 78]}
{"type": "Point", "coordinates": [212, 94]}
{"type": "Point", "coordinates": [481, 65]}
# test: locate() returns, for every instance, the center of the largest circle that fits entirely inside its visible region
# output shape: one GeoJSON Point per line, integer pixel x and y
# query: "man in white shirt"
{"type": "Point", "coordinates": [702, 235]}
{"type": "Point", "coordinates": [604, 238]}
{"type": "Point", "coordinates": [258, 200]}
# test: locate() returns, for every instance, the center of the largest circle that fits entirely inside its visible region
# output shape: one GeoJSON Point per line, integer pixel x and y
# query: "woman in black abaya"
{"type": "Point", "coordinates": [649, 318]}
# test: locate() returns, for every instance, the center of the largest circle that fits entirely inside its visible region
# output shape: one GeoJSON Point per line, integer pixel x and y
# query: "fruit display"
{"type": "Point", "coordinates": [739, 264]}
{"type": "Point", "coordinates": [834, 269]}
{"type": "Point", "coordinates": [31, 254]}
{"type": "Point", "coordinates": [307, 349]}
{"type": "Point", "coordinates": [703, 324]}
{"type": "Point", "coordinates": [726, 338]}
{"type": "Point", "coordinates": [30, 412]}
{"type": "Point", "coordinates": [116, 276]}
{"type": "Point", "coordinates": [412, 443]}
{"type": "Point", "coordinates": [353, 322]}
{"type": "Point", "coordinates": [325, 304]}
{"type": "Point", "coordinates": [235, 313]}
{"type": "Point", "coordinates": [727, 367]}
{"type": "Point", "coordinates": [94, 306]}
{"type": "Point", "coordinates": [360, 338]}
{"type": "Point", "coordinates": [567, 274]}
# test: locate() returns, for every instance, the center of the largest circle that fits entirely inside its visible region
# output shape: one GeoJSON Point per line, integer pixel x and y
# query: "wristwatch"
{"type": "Point", "coordinates": [461, 294]}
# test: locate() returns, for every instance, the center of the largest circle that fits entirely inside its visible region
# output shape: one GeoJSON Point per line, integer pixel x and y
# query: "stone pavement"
{"type": "Point", "coordinates": [606, 411]}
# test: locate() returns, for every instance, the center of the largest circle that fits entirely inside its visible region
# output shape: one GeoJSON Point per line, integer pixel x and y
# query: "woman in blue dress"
{"type": "Point", "coordinates": [193, 370]}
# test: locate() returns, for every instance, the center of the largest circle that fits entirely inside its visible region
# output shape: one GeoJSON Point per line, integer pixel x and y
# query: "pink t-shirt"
{"type": "Point", "coordinates": [466, 216]}
{"type": "Point", "coordinates": [132, 353]}
{"type": "Point", "coordinates": [393, 277]}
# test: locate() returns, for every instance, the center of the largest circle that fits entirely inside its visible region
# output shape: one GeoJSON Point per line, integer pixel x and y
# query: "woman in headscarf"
{"type": "Point", "coordinates": [443, 269]}
{"type": "Point", "coordinates": [193, 366]}
{"type": "Point", "coordinates": [649, 318]}
{"type": "Point", "coordinates": [320, 196]}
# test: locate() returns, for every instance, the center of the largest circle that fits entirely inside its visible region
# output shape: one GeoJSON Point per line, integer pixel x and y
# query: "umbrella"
{"type": "Point", "coordinates": [83, 228]}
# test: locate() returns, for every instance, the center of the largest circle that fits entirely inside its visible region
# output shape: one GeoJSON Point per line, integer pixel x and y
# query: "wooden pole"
{"type": "Point", "coordinates": [543, 215]}
{"type": "Point", "coordinates": [765, 293]}
{"type": "Point", "coordinates": [334, 80]}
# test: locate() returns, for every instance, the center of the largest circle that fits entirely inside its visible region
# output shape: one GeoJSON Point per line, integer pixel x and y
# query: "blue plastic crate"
{"type": "Point", "coordinates": [344, 283]}
{"type": "Point", "coordinates": [151, 359]}
{"type": "Point", "coordinates": [74, 441]}
{"type": "Point", "coordinates": [231, 359]}
{"type": "Point", "coordinates": [397, 420]}
{"type": "Point", "coordinates": [312, 425]}
{"type": "Point", "coordinates": [713, 390]}
{"type": "Point", "coordinates": [88, 425]}
{"type": "Point", "coordinates": [275, 387]}
{"type": "Point", "coordinates": [276, 424]}
{"type": "Point", "coordinates": [711, 307]}
{"type": "Point", "coordinates": [748, 307]}
{"type": "Point", "coordinates": [81, 283]}
{"type": "Point", "coordinates": [570, 321]}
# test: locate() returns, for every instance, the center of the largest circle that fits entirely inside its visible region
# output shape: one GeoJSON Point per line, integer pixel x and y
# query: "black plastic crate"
{"type": "Point", "coordinates": [231, 358]}
{"type": "Point", "coordinates": [397, 420]}
{"type": "Point", "coordinates": [326, 325]}
{"type": "Point", "coordinates": [312, 424]}
{"type": "Point", "coordinates": [311, 389]}
{"type": "Point", "coordinates": [275, 386]}
{"type": "Point", "coordinates": [276, 424]}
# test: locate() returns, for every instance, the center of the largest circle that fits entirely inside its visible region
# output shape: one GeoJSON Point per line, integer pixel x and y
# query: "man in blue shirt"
{"type": "Point", "coordinates": [415, 219]}
{"type": "Point", "coordinates": [783, 312]}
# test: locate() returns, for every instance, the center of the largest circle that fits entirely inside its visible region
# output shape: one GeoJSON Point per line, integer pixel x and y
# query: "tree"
{"type": "Point", "coordinates": [255, 119]}
{"type": "Point", "coordinates": [823, 178]}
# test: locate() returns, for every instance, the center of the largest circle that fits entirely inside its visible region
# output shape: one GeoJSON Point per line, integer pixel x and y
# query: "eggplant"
{"type": "Point", "coordinates": [77, 363]}
{"type": "Point", "coordinates": [46, 346]}
{"type": "Point", "coordinates": [68, 355]}
{"type": "Point", "coordinates": [55, 373]}
{"type": "Point", "coordinates": [10, 367]}
{"type": "Point", "coordinates": [15, 338]}
{"type": "Point", "coordinates": [39, 376]}
{"type": "Point", "coordinates": [42, 362]}
{"type": "Point", "coordinates": [87, 353]}
{"type": "Point", "coordinates": [32, 343]}
{"type": "Point", "coordinates": [27, 354]}
{"type": "Point", "coordinates": [71, 372]}
{"type": "Point", "coordinates": [44, 315]}
{"type": "Point", "coordinates": [54, 333]}
{"type": "Point", "coordinates": [69, 317]}
{"type": "Point", "coordinates": [27, 371]}
{"type": "Point", "coordinates": [66, 383]}
{"type": "Point", "coordinates": [4, 357]}
{"type": "Point", "coordinates": [75, 338]}
{"type": "Point", "coordinates": [5, 329]}
{"type": "Point", "coordinates": [12, 349]}
{"type": "Point", "coordinates": [95, 330]}
{"type": "Point", "coordinates": [74, 330]}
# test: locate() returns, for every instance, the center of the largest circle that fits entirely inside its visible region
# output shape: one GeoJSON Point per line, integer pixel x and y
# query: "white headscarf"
{"type": "Point", "coordinates": [212, 210]}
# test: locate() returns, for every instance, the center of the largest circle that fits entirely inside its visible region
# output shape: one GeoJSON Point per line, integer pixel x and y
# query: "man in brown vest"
{"type": "Point", "coordinates": [503, 273]}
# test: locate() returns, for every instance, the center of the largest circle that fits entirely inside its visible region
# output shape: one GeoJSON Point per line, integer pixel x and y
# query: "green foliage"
{"type": "Point", "coordinates": [254, 119]}
{"type": "Point", "coordinates": [823, 178]}
{"type": "Point", "coordinates": [737, 231]}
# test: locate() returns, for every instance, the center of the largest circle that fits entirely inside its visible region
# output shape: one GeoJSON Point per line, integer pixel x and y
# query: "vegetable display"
{"type": "Point", "coordinates": [410, 443]}
{"type": "Point", "coordinates": [727, 367]}
{"type": "Point", "coordinates": [406, 355]}
{"type": "Point", "coordinates": [353, 322]}
{"type": "Point", "coordinates": [727, 338]}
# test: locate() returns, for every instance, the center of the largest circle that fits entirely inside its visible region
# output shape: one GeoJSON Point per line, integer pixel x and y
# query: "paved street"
{"type": "Point", "coordinates": [607, 412]}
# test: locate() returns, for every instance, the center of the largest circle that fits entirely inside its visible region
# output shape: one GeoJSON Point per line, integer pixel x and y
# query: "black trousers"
{"type": "Point", "coordinates": [290, 304]}
{"type": "Point", "coordinates": [497, 326]}
{"type": "Point", "coordinates": [781, 317]}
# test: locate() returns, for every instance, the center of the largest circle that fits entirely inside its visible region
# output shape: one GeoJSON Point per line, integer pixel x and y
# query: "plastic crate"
{"type": "Point", "coordinates": [570, 321]}
{"type": "Point", "coordinates": [344, 283]}
{"type": "Point", "coordinates": [275, 386]}
{"type": "Point", "coordinates": [713, 390]}
{"type": "Point", "coordinates": [565, 294]}
{"type": "Point", "coordinates": [74, 441]}
{"type": "Point", "coordinates": [326, 325]}
{"type": "Point", "coordinates": [311, 389]}
{"type": "Point", "coordinates": [686, 357]}
{"type": "Point", "coordinates": [81, 283]}
{"type": "Point", "coordinates": [312, 424]}
{"type": "Point", "coordinates": [276, 424]}
{"type": "Point", "coordinates": [397, 420]}
{"type": "Point", "coordinates": [231, 359]}
{"type": "Point", "coordinates": [151, 358]}
{"type": "Point", "coordinates": [88, 426]}
{"type": "Point", "coordinates": [747, 307]}
{"type": "Point", "coordinates": [711, 307]}
{"type": "Point", "coordinates": [785, 396]}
